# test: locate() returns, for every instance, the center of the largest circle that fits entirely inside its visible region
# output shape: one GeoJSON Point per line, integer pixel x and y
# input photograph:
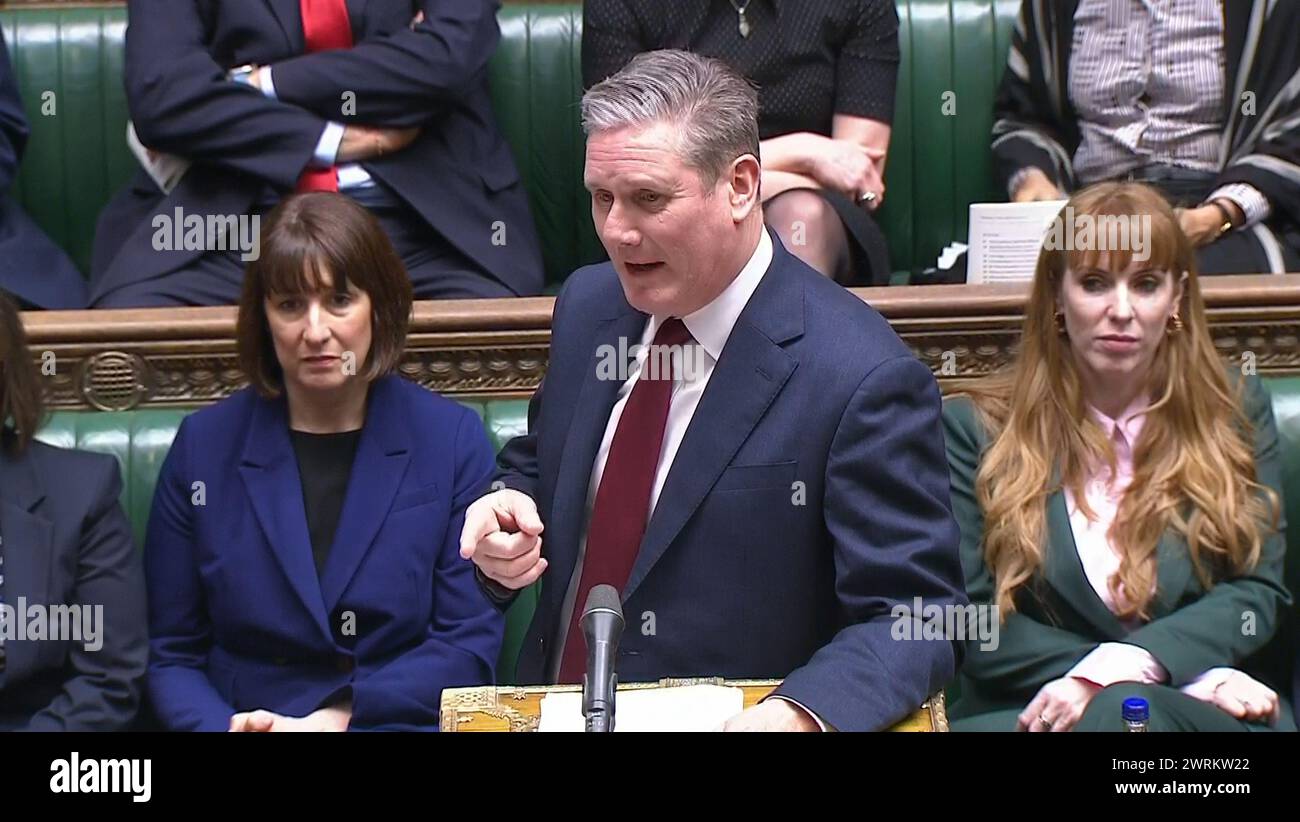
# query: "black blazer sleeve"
{"type": "Point", "coordinates": [102, 691]}
{"type": "Point", "coordinates": [1028, 129]}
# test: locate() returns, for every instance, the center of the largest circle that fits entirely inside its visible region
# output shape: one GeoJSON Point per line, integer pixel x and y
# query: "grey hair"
{"type": "Point", "coordinates": [714, 108]}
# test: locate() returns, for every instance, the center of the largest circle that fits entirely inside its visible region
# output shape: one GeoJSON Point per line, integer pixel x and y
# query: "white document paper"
{"type": "Point", "coordinates": [165, 169]}
{"type": "Point", "coordinates": [686, 708]}
{"type": "Point", "coordinates": [1005, 239]}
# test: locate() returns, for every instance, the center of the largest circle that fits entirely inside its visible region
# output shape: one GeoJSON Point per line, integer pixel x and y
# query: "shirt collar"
{"type": "Point", "coordinates": [712, 324]}
{"type": "Point", "coordinates": [1129, 422]}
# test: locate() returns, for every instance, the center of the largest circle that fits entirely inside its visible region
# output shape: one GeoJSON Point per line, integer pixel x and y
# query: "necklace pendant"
{"type": "Point", "coordinates": [744, 25]}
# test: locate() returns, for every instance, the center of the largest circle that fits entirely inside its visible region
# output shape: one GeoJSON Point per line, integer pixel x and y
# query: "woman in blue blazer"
{"type": "Point", "coordinates": [302, 552]}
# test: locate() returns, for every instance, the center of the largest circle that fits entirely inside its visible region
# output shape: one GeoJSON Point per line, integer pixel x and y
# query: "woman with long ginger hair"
{"type": "Point", "coordinates": [1118, 492]}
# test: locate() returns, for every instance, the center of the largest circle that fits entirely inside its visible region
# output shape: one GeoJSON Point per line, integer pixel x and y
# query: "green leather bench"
{"type": "Point", "coordinates": [938, 163]}
{"type": "Point", "coordinates": [140, 439]}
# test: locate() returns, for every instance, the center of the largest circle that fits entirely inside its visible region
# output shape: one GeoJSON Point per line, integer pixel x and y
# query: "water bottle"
{"type": "Point", "coordinates": [1137, 713]}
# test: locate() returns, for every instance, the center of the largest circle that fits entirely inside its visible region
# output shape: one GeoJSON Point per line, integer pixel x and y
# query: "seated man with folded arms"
{"type": "Point", "coordinates": [385, 101]}
{"type": "Point", "coordinates": [1195, 97]}
{"type": "Point", "coordinates": [775, 497]}
{"type": "Point", "coordinates": [33, 270]}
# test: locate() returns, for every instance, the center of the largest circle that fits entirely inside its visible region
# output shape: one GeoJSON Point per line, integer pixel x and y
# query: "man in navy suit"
{"type": "Point", "coordinates": [32, 267]}
{"type": "Point", "coordinates": [767, 512]}
{"type": "Point", "coordinates": [383, 100]}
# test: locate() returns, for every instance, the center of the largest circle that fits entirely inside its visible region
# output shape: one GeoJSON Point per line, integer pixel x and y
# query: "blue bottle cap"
{"type": "Point", "coordinates": [1136, 709]}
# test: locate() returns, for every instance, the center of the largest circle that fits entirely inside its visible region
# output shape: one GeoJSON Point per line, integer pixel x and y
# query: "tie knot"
{"type": "Point", "coordinates": [672, 332]}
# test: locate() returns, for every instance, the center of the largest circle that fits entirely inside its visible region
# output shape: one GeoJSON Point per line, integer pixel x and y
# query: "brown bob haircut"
{"type": "Point", "coordinates": [22, 405]}
{"type": "Point", "coordinates": [304, 239]}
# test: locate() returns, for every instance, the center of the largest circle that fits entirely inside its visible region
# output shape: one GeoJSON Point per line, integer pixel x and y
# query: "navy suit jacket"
{"type": "Point", "coordinates": [809, 496]}
{"type": "Point", "coordinates": [239, 619]}
{"type": "Point", "coordinates": [32, 267]}
{"type": "Point", "coordinates": [459, 174]}
{"type": "Point", "coordinates": [66, 541]}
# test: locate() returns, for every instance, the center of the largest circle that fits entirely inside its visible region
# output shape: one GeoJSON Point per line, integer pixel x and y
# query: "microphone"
{"type": "Point", "coordinates": [602, 625]}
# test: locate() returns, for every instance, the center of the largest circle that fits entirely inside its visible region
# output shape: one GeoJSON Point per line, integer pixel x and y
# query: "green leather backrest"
{"type": "Point", "coordinates": [68, 63]}
{"type": "Point", "coordinates": [938, 164]}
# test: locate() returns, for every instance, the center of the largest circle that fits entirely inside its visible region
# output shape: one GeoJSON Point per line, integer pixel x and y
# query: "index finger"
{"type": "Point", "coordinates": [480, 520]}
{"type": "Point", "coordinates": [513, 512]}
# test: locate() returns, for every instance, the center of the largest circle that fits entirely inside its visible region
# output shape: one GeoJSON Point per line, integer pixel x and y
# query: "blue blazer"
{"type": "Point", "coordinates": [238, 618]}
{"type": "Point", "coordinates": [458, 175]}
{"type": "Point", "coordinates": [32, 267]}
{"type": "Point", "coordinates": [66, 541]}
{"type": "Point", "coordinates": [807, 499]}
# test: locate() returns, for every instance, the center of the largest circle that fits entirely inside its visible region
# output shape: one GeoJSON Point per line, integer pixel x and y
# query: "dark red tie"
{"type": "Point", "coordinates": [325, 26]}
{"type": "Point", "coordinates": [622, 507]}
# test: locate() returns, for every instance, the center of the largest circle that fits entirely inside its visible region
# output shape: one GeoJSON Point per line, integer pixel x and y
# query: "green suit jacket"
{"type": "Point", "coordinates": [1243, 623]}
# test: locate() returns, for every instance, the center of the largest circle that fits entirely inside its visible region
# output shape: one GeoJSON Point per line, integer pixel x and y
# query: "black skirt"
{"type": "Point", "coordinates": [867, 244]}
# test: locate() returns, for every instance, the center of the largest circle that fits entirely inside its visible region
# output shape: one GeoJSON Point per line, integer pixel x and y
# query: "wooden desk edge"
{"type": "Point", "coordinates": [517, 708]}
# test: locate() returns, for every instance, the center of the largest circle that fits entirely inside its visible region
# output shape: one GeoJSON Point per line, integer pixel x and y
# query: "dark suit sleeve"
{"type": "Point", "coordinates": [102, 691]}
{"type": "Point", "coordinates": [516, 469]}
{"type": "Point", "coordinates": [1025, 129]}
{"type": "Point", "coordinates": [399, 80]}
{"type": "Point", "coordinates": [1271, 162]}
{"type": "Point", "coordinates": [893, 537]}
{"type": "Point", "coordinates": [13, 122]}
{"type": "Point", "coordinates": [1028, 654]}
{"type": "Point", "coordinates": [1209, 632]}
{"type": "Point", "coordinates": [182, 102]}
{"type": "Point", "coordinates": [465, 632]}
{"type": "Point", "coordinates": [611, 36]}
{"type": "Point", "coordinates": [180, 632]}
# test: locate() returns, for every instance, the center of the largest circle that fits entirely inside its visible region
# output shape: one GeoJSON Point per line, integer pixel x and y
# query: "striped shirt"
{"type": "Point", "coordinates": [1147, 78]}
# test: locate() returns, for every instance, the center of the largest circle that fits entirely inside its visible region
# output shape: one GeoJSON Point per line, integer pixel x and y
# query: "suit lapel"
{"type": "Point", "coordinates": [270, 473]}
{"type": "Point", "coordinates": [357, 17]}
{"type": "Point", "coordinates": [1064, 571]}
{"type": "Point", "coordinates": [288, 13]}
{"type": "Point", "coordinates": [596, 399]}
{"type": "Point", "coordinates": [749, 374]}
{"type": "Point", "coordinates": [27, 543]}
{"type": "Point", "coordinates": [377, 471]}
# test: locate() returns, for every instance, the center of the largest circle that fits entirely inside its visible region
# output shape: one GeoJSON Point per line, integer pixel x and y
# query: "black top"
{"type": "Point", "coordinates": [811, 59]}
{"type": "Point", "coordinates": [324, 464]}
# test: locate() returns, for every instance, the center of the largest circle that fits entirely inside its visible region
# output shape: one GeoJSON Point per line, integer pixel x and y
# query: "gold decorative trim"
{"type": "Point", "coordinates": [498, 348]}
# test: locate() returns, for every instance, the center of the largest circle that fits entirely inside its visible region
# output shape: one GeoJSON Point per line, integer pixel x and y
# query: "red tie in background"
{"type": "Point", "coordinates": [622, 507]}
{"type": "Point", "coordinates": [325, 26]}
